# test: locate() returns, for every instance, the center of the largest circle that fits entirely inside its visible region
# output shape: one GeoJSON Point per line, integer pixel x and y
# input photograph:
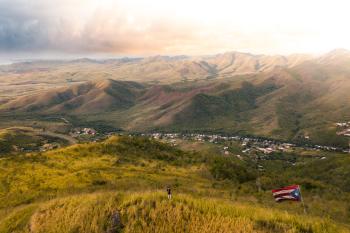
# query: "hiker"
{"type": "Point", "coordinates": [168, 190]}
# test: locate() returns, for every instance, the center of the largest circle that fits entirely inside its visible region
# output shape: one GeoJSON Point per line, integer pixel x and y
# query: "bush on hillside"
{"type": "Point", "coordinates": [229, 168]}
{"type": "Point", "coordinates": [143, 147]}
{"type": "Point", "coordinates": [5, 147]}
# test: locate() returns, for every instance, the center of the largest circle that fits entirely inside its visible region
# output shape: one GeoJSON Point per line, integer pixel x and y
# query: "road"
{"type": "Point", "coordinates": [70, 139]}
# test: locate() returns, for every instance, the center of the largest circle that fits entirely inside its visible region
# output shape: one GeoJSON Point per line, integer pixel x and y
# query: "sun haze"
{"type": "Point", "coordinates": [139, 27]}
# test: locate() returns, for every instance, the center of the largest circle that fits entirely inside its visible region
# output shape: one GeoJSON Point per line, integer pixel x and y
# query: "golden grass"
{"type": "Point", "coordinates": [81, 187]}
{"type": "Point", "coordinates": [153, 212]}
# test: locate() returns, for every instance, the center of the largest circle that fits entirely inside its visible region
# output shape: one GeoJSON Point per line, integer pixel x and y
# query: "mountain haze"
{"type": "Point", "coordinates": [158, 69]}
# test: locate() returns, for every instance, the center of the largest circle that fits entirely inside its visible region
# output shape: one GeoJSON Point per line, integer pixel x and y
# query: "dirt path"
{"type": "Point", "coordinates": [68, 138]}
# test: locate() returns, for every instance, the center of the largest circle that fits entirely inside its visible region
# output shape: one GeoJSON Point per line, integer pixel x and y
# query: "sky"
{"type": "Point", "coordinates": [70, 28]}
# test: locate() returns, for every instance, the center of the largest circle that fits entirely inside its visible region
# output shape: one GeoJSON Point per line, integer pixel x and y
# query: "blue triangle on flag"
{"type": "Point", "coordinates": [296, 194]}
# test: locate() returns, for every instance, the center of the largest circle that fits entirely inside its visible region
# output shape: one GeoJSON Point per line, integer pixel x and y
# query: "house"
{"type": "Point", "coordinates": [268, 150]}
{"type": "Point", "coordinates": [246, 150]}
{"type": "Point", "coordinates": [341, 124]}
{"type": "Point", "coordinates": [81, 131]}
{"type": "Point", "coordinates": [89, 131]}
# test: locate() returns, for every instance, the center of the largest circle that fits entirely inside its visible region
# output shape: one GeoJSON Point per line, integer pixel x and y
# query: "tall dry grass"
{"type": "Point", "coordinates": [153, 212]}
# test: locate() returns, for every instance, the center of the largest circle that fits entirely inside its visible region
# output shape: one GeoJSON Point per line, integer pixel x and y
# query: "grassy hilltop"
{"type": "Point", "coordinates": [82, 188]}
{"type": "Point", "coordinates": [152, 212]}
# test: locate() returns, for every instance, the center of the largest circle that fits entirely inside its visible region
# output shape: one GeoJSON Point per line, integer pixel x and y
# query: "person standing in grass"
{"type": "Point", "coordinates": [168, 190]}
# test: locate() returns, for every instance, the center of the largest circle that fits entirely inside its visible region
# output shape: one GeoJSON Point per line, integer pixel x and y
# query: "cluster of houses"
{"type": "Point", "coordinates": [214, 138]}
{"type": "Point", "coordinates": [265, 146]}
{"type": "Point", "coordinates": [343, 128]}
{"type": "Point", "coordinates": [83, 131]}
{"type": "Point", "coordinates": [249, 144]}
{"type": "Point", "coordinates": [343, 124]}
{"type": "Point", "coordinates": [269, 146]}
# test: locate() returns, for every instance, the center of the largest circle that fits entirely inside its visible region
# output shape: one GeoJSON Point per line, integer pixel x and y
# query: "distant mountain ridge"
{"type": "Point", "coordinates": [295, 100]}
{"type": "Point", "coordinates": [162, 69]}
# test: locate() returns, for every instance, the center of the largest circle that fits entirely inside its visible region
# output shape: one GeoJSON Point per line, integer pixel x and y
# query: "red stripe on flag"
{"type": "Point", "coordinates": [286, 198]}
{"type": "Point", "coordinates": [291, 187]}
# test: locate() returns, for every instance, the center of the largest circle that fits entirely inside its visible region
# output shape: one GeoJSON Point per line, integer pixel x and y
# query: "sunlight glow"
{"type": "Point", "coordinates": [199, 27]}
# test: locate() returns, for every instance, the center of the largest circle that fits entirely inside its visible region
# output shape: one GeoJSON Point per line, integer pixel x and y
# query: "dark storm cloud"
{"type": "Point", "coordinates": [51, 26]}
{"type": "Point", "coordinates": [22, 26]}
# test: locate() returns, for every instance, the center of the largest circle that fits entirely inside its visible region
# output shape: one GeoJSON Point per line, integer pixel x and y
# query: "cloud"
{"type": "Point", "coordinates": [19, 29]}
{"type": "Point", "coordinates": [144, 27]}
{"type": "Point", "coordinates": [28, 27]}
{"type": "Point", "coordinates": [119, 34]}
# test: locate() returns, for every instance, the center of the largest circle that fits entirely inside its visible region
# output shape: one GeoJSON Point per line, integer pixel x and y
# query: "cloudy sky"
{"type": "Point", "coordinates": [150, 27]}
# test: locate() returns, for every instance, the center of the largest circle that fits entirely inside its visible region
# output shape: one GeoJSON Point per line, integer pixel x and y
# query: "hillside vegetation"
{"type": "Point", "coordinates": [118, 186]}
{"type": "Point", "coordinates": [18, 139]}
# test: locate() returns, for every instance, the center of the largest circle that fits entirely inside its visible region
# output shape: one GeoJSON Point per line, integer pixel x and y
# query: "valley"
{"type": "Point", "coordinates": [91, 145]}
{"type": "Point", "coordinates": [284, 104]}
{"type": "Point", "coordinates": [133, 116]}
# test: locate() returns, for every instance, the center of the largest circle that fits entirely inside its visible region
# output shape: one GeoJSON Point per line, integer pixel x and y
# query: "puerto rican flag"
{"type": "Point", "coordinates": [289, 193]}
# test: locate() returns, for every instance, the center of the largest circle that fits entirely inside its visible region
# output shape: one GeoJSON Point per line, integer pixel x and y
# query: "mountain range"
{"type": "Point", "coordinates": [157, 69]}
{"type": "Point", "coordinates": [295, 97]}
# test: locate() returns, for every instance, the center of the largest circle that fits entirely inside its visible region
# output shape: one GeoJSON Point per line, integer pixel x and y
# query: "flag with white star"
{"type": "Point", "coordinates": [289, 193]}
